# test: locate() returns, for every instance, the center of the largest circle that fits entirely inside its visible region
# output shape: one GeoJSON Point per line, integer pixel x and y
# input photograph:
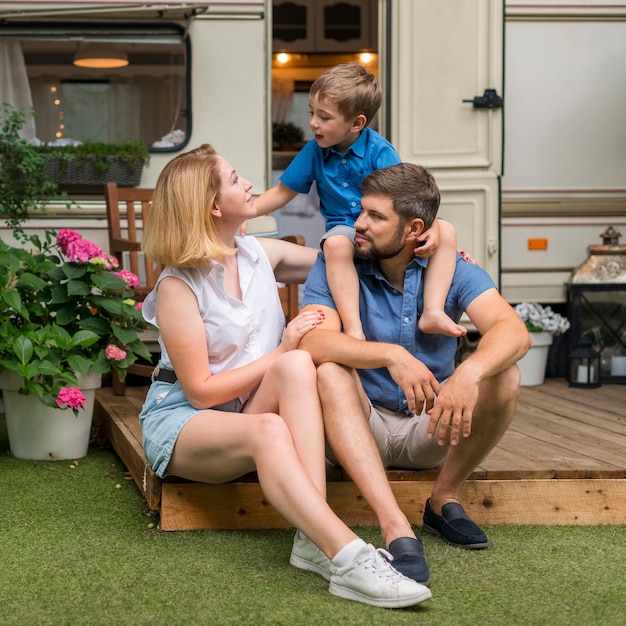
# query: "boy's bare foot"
{"type": "Point", "coordinates": [438, 323]}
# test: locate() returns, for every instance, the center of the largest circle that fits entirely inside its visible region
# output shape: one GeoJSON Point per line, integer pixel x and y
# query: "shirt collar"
{"type": "Point", "coordinates": [359, 147]}
{"type": "Point", "coordinates": [372, 268]}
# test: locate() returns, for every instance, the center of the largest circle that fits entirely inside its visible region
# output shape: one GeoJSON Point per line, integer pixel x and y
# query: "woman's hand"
{"type": "Point", "coordinates": [300, 326]}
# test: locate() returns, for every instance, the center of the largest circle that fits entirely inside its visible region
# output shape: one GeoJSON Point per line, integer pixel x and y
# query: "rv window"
{"type": "Point", "coordinates": [146, 100]}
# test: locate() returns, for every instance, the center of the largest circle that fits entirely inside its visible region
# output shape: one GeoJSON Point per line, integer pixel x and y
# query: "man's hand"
{"type": "Point", "coordinates": [454, 408]}
{"type": "Point", "coordinates": [414, 378]}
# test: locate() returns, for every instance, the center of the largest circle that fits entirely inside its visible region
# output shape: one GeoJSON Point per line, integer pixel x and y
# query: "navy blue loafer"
{"type": "Point", "coordinates": [408, 559]}
{"type": "Point", "coordinates": [454, 526]}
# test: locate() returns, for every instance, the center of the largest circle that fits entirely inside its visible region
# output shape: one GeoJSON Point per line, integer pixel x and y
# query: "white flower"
{"type": "Point", "coordinates": [539, 318]}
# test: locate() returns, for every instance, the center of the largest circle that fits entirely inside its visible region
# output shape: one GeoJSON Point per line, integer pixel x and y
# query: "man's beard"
{"type": "Point", "coordinates": [392, 248]}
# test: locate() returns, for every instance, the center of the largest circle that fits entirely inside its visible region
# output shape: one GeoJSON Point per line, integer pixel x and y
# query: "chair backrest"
{"type": "Point", "coordinates": [289, 296]}
{"type": "Point", "coordinates": [128, 209]}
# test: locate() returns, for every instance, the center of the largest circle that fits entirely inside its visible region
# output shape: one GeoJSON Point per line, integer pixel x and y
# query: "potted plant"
{"type": "Point", "coordinates": [26, 167]}
{"type": "Point", "coordinates": [93, 163]}
{"type": "Point", "coordinates": [67, 312]}
{"type": "Point", "coordinates": [287, 136]}
{"type": "Point", "coordinates": [542, 323]}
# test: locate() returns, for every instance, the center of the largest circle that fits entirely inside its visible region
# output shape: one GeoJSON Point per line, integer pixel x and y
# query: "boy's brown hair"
{"type": "Point", "coordinates": [351, 88]}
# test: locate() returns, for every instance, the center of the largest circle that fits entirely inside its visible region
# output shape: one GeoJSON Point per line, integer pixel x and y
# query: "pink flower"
{"type": "Point", "coordinates": [65, 237]}
{"type": "Point", "coordinates": [112, 352]}
{"type": "Point", "coordinates": [139, 306]}
{"type": "Point", "coordinates": [110, 262]}
{"type": "Point", "coordinates": [82, 250]}
{"type": "Point", "coordinates": [71, 397]}
{"type": "Point", "coordinates": [130, 278]}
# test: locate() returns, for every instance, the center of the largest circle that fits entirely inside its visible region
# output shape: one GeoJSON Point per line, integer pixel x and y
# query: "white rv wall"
{"type": "Point", "coordinates": [565, 105]}
{"type": "Point", "coordinates": [229, 96]}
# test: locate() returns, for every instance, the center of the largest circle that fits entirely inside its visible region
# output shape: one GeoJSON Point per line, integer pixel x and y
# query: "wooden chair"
{"type": "Point", "coordinates": [128, 209]}
{"type": "Point", "coordinates": [130, 205]}
{"type": "Point", "coordinates": [288, 293]}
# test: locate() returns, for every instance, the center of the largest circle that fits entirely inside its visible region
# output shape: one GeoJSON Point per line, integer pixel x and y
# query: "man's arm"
{"type": "Point", "coordinates": [328, 344]}
{"type": "Point", "coordinates": [504, 340]}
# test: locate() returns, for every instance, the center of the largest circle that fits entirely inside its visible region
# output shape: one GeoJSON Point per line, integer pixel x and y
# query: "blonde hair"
{"type": "Point", "coordinates": [180, 230]}
{"type": "Point", "coordinates": [351, 88]}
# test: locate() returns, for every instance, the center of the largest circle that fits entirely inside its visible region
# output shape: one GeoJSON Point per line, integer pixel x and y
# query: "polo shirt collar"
{"type": "Point", "coordinates": [359, 147]}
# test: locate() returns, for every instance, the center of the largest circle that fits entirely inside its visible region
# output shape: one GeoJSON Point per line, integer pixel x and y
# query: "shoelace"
{"type": "Point", "coordinates": [378, 560]}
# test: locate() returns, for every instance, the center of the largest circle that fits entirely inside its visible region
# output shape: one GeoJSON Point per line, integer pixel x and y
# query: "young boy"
{"type": "Point", "coordinates": [342, 103]}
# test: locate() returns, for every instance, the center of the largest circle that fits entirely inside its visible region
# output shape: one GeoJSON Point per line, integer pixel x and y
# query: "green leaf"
{"type": "Point", "coordinates": [125, 335]}
{"type": "Point", "coordinates": [79, 363]}
{"type": "Point", "coordinates": [66, 315]}
{"type": "Point", "coordinates": [12, 299]}
{"type": "Point", "coordinates": [59, 294]}
{"type": "Point", "coordinates": [32, 281]}
{"type": "Point", "coordinates": [108, 281]}
{"type": "Point", "coordinates": [85, 338]}
{"type": "Point", "coordinates": [115, 307]}
{"type": "Point", "coordinates": [140, 349]}
{"type": "Point", "coordinates": [95, 323]}
{"type": "Point", "coordinates": [47, 368]}
{"type": "Point", "coordinates": [78, 288]}
{"type": "Point", "coordinates": [60, 336]}
{"type": "Point", "coordinates": [73, 271]}
{"type": "Point", "coordinates": [23, 349]}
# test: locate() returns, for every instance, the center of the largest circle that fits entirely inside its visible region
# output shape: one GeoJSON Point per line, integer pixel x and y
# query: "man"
{"type": "Point", "coordinates": [386, 414]}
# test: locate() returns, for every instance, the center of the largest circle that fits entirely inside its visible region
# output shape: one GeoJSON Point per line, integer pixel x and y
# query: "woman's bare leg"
{"type": "Point", "coordinates": [216, 446]}
{"type": "Point", "coordinates": [290, 389]}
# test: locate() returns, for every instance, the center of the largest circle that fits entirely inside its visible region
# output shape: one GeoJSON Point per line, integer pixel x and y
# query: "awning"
{"type": "Point", "coordinates": [116, 9]}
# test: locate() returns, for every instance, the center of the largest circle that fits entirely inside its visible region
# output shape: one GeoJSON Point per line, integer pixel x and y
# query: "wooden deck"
{"type": "Point", "coordinates": [562, 461]}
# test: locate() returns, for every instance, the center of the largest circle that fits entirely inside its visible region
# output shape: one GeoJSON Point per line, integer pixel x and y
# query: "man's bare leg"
{"type": "Point", "coordinates": [346, 409]}
{"type": "Point", "coordinates": [492, 416]}
{"type": "Point", "coordinates": [443, 514]}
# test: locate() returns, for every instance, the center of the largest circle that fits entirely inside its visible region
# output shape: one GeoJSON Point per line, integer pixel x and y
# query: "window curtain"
{"type": "Point", "coordinates": [282, 99]}
{"type": "Point", "coordinates": [14, 87]}
{"type": "Point", "coordinates": [112, 112]}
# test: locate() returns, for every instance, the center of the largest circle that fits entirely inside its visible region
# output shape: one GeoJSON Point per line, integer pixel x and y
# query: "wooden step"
{"type": "Point", "coordinates": [502, 491]}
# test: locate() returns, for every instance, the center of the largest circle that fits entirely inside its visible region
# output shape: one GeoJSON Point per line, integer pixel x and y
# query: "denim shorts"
{"type": "Point", "coordinates": [164, 413]}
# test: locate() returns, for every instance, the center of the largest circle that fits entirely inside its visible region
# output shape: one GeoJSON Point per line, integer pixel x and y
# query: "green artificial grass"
{"type": "Point", "coordinates": [76, 548]}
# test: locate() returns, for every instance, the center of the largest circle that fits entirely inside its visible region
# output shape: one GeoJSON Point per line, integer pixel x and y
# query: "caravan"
{"type": "Point", "coordinates": [517, 109]}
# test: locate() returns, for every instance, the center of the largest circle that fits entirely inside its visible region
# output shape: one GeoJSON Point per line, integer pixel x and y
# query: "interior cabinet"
{"type": "Point", "coordinates": [324, 26]}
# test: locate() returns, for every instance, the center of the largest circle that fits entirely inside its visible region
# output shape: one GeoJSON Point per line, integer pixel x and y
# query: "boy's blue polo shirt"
{"type": "Point", "coordinates": [339, 176]}
{"type": "Point", "coordinates": [390, 316]}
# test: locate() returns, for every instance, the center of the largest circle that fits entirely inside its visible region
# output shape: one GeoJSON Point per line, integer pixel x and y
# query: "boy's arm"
{"type": "Point", "coordinates": [440, 233]}
{"type": "Point", "coordinates": [273, 199]}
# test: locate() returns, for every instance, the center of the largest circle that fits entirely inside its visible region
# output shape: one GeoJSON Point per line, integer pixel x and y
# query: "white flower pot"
{"type": "Point", "coordinates": [533, 364]}
{"type": "Point", "coordinates": [44, 433]}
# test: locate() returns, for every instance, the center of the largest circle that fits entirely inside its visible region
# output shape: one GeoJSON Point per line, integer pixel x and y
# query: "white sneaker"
{"type": "Point", "coordinates": [371, 579]}
{"type": "Point", "coordinates": [306, 555]}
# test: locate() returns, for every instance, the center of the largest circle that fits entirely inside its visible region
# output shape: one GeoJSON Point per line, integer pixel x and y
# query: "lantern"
{"type": "Point", "coordinates": [583, 366]}
{"type": "Point", "coordinates": [596, 299]}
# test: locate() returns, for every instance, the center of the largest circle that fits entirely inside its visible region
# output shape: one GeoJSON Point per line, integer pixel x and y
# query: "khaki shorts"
{"type": "Point", "coordinates": [402, 440]}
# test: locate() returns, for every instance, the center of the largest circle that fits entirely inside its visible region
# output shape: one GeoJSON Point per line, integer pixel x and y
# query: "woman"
{"type": "Point", "coordinates": [232, 394]}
